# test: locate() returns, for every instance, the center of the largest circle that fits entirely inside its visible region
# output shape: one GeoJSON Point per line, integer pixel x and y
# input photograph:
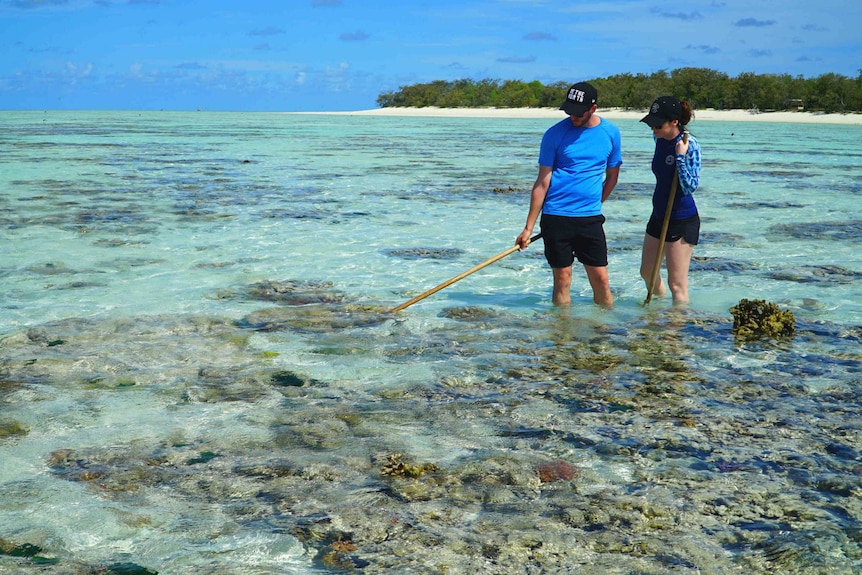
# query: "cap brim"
{"type": "Point", "coordinates": [574, 109]}
{"type": "Point", "coordinates": [653, 121]}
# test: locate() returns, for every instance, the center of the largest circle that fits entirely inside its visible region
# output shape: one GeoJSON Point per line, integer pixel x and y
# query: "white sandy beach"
{"type": "Point", "coordinates": [616, 113]}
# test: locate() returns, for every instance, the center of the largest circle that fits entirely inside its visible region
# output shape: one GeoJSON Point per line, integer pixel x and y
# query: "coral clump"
{"type": "Point", "coordinates": [396, 467]}
{"type": "Point", "coordinates": [11, 429]}
{"type": "Point", "coordinates": [753, 319]}
{"type": "Point", "coordinates": [556, 471]}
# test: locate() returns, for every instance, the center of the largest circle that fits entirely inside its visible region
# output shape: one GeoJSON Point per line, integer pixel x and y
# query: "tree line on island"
{"type": "Point", "coordinates": [702, 87]}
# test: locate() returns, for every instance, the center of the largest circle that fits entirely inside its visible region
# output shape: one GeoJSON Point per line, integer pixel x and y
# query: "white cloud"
{"type": "Point", "coordinates": [73, 72]}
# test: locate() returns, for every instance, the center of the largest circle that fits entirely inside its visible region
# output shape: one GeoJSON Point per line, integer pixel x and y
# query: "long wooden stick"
{"type": "Point", "coordinates": [660, 255]}
{"type": "Point", "coordinates": [459, 277]}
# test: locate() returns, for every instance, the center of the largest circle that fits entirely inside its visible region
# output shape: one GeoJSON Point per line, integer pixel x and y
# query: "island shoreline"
{"type": "Point", "coordinates": [610, 113]}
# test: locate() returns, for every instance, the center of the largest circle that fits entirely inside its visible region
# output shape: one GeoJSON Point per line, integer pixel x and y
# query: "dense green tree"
{"type": "Point", "coordinates": [703, 87]}
{"type": "Point", "coordinates": [552, 95]}
{"type": "Point", "coordinates": [514, 94]}
{"type": "Point", "coordinates": [830, 93]}
{"type": "Point", "coordinates": [628, 91]}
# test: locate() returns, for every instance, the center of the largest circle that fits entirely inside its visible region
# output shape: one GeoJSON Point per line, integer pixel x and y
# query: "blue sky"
{"type": "Point", "coordinates": [336, 55]}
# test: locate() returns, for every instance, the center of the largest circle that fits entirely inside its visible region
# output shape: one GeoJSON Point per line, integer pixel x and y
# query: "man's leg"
{"type": "Point", "coordinates": [562, 285]}
{"type": "Point", "coordinates": [598, 276]}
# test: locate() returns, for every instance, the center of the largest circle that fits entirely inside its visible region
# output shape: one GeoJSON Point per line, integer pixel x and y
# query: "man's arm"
{"type": "Point", "coordinates": [537, 200]}
{"type": "Point", "coordinates": [612, 176]}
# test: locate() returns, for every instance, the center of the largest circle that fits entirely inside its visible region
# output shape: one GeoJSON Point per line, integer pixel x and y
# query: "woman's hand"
{"type": "Point", "coordinates": [682, 146]}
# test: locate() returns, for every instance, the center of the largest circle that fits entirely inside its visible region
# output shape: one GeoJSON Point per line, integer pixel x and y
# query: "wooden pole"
{"type": "Point", "coordinates": [459, 277]}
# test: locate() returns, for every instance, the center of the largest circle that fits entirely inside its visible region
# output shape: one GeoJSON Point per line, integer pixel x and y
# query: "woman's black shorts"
{"type": "Point", "coordinates": [566, 238]}
{"type": "Point", "coordinates": [688, 228]}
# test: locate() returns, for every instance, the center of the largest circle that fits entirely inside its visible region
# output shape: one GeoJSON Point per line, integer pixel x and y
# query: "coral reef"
{"type": "Point", "coordinates": [571, 445]}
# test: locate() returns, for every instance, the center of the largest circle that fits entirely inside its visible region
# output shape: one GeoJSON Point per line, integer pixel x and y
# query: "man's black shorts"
{"type": "Point", "coordinates": [688, 228]}
{"type": "Point", "coordinates": [566, 238]}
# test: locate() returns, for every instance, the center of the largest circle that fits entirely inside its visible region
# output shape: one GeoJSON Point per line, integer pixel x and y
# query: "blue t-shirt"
{"type": "Point", "coordinates": [579, 158]}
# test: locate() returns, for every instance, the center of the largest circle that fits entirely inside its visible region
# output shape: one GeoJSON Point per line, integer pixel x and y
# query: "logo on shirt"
{"type": "Point", "coordinates": [670, 160]}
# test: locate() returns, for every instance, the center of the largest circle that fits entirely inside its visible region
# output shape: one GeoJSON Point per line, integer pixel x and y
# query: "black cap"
{"type": "Point", "coordinates": [663, 109]}
{"type": "Point", "coordinates": [580, 98]}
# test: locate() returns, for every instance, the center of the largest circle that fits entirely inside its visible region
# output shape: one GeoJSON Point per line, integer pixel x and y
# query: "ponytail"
{"type": "Point", "coordinates": [686, 115]}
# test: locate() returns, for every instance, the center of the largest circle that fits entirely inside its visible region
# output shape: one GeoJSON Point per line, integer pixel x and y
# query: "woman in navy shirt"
{"type": "Point", "coordinates": [675, 157]}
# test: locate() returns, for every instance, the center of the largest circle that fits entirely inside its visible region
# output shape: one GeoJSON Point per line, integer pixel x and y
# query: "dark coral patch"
{"type": "Point", "coordinates": [845, 231]}
{"type": "Point", "coordinates": [425, 253]}
{"type": "Point", "coordinates": [827, 274]}
{"type": "Point", "coordinates": [295, 292]}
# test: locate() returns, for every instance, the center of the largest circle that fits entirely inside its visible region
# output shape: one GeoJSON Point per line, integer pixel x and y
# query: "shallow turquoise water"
{"type": "Point", "coordinates": [132, 243]}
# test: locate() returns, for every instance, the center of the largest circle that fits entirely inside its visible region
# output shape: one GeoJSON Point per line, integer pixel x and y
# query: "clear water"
{"type": "Point", "coordinates": [139, 384]}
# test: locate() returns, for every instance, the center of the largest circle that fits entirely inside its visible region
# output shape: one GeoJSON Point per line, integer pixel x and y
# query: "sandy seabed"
{"type": "Point", "coordinates": [616, 113]}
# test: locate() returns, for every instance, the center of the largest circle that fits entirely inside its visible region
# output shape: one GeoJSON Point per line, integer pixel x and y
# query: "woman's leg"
{"type": "Point", "coordinates": [648, 255]}
{"type": "Point", "coordinates": [678, 260]}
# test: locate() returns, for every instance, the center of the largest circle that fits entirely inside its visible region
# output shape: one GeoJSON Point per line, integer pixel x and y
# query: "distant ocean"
{"type": "Point", "coordinates": [198, 374]}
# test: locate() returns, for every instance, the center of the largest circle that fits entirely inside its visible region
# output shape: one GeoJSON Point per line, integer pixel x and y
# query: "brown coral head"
{"type": "Point", "coordinates": [556, 471]}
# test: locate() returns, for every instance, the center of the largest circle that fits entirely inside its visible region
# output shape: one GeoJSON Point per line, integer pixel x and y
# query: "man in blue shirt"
{"type": "Point", "coordinates": [579, 165]}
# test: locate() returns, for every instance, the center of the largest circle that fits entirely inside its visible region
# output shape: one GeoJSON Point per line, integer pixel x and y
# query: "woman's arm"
{"type": "Point", "coordinates": [688, 165]}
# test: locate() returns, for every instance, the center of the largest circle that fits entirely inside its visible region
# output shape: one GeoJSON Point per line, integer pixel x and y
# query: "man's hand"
{"type": "Point", "coordinates": [523, 239]}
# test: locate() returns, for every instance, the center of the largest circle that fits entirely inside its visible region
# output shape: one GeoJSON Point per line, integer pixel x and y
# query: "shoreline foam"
{"type": "Point", "coordinates": [613, 114]}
